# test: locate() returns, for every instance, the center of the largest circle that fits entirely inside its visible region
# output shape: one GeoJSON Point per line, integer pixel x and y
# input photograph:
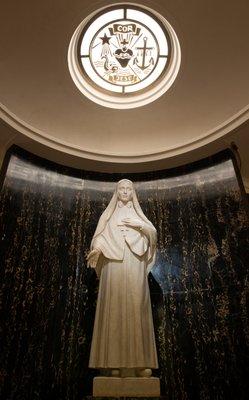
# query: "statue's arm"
{"type": "Point", "coordinates": [147, 230]}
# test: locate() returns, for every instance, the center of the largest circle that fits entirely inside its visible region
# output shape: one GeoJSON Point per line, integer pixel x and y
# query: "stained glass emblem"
{"type": "Point", "coordinates": [124, 52]}
{"type": "Point", "coordinates": [124, 56]}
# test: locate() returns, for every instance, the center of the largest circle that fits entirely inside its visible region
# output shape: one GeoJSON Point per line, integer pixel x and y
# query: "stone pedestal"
{"type": "Point", "coordinates": [126, 387]}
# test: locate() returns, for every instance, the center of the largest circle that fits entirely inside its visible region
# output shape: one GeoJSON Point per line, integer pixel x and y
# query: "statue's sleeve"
{"type": "Point", "coordinates": [109, 244]}
{"type": "Point", "coordinates": [150, 231]}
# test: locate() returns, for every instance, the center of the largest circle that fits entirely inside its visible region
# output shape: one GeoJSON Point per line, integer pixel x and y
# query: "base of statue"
{"type": "Point", "coordinates": [104, 386]}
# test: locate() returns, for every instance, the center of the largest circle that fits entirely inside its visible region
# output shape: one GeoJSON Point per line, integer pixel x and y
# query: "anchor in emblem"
{"type": "Point", "coordinates": [144, 51]}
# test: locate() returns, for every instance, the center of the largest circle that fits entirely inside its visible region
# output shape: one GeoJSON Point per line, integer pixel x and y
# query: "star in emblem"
{"type": "Point", "coordinates": [105, 39]}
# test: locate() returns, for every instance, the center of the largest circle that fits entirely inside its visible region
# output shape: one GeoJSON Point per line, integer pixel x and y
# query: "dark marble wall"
{"type": "Point", "coordinates": [199, 285]}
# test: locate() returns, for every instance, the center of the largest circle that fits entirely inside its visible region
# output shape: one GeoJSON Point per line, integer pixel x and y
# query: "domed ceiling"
{"type": "Point", "coordinates": [207, 101]}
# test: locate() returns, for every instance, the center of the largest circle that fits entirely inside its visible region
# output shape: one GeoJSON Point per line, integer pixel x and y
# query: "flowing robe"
{"type": "Point", "coordinates": [123, 335]}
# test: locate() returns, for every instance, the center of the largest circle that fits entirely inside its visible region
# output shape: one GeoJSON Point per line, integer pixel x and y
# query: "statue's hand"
{"type": "Point", "coordinates": [92, 258]}
{"type": "Point", "coordinates": [133, 222]}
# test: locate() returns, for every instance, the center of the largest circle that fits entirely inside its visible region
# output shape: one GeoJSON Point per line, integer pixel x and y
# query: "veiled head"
{"type": "Point", "coordinates": [125, 190]}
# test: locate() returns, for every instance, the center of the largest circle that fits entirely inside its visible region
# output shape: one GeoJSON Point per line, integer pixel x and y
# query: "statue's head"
{"type": "Point", "coordinates": [125, 190]}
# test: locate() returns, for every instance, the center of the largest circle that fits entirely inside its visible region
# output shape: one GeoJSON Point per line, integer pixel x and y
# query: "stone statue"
{"type": "Point", "coordinates": [123, 252]}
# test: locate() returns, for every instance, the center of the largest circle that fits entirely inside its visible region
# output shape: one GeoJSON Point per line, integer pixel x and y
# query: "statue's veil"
{"type": "Point", "coordinates": [106, 215]}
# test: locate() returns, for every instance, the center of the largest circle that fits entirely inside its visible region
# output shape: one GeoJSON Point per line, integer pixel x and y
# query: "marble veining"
{"type": "Point", "coordinates": [199, 285]}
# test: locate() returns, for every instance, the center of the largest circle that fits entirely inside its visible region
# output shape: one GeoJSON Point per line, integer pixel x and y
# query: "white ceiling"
{"type": "Point", "coordinates": [208, 100]}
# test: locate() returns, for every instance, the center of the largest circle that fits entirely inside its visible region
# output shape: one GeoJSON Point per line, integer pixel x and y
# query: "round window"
{"type": "Point", "coordinates": [124, 56]}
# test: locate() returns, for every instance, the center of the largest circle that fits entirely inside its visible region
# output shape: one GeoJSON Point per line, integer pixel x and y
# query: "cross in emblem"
{"type": "Point", "coordinates": [124, 42]}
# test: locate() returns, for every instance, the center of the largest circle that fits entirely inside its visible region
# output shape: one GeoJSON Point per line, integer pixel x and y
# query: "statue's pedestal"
{"type": "Point", "coordinates": [104, 386]}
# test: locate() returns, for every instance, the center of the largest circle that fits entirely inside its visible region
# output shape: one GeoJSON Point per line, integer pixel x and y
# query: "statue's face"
{"type": "Point", "coordinates": [125, 191]}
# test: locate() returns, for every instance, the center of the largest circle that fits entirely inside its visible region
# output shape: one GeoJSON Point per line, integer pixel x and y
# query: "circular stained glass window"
{"type": "Point", "coordinates": [124, 56]}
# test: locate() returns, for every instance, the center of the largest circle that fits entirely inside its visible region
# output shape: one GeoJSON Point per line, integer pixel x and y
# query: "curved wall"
{"type": "Point", "coordinates": [199, 284]}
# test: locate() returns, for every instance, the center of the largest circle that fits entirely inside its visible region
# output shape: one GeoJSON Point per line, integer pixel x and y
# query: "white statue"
{"type": "Point", "coordinates": [123, 252]}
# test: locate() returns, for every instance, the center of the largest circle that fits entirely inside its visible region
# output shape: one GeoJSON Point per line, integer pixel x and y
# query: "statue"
{"type": "Point", "coordinates": [122, 252]}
